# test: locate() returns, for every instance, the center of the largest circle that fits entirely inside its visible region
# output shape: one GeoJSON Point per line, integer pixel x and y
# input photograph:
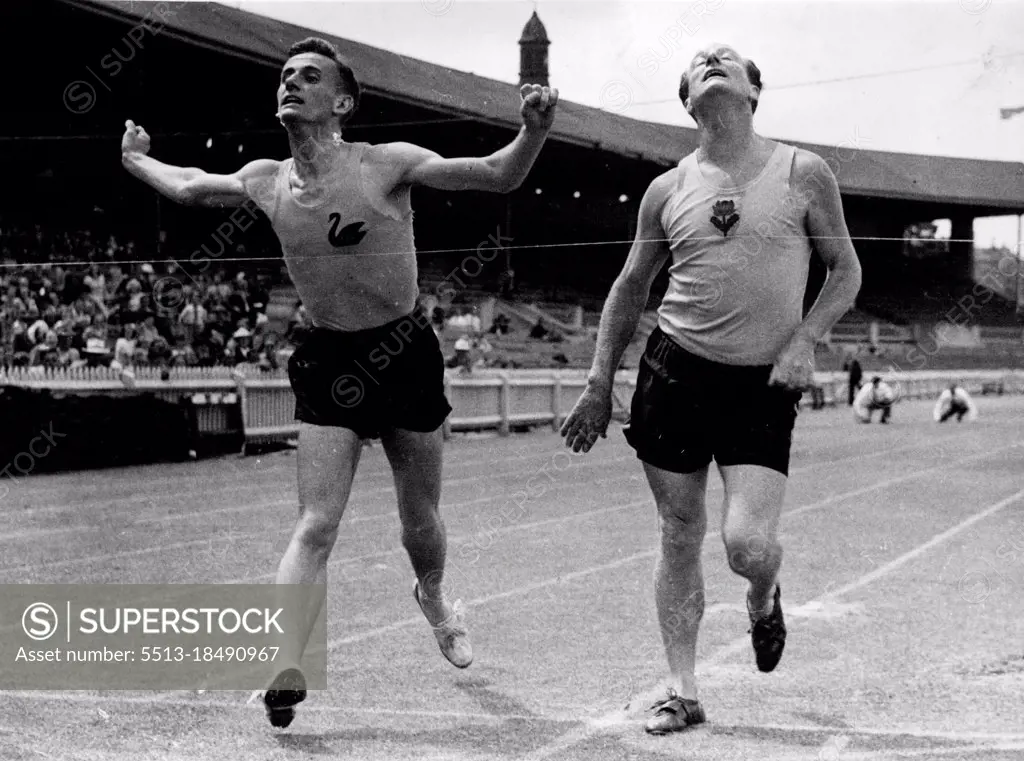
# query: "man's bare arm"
{"type": "Point", "coordinates": [188, 185]}
{"type": "Point", "coordinates": [830, 237]}
{"type": "Point", "coordinates": [502, 171]}
{"type": "Point", "coordinates": [628, 296]}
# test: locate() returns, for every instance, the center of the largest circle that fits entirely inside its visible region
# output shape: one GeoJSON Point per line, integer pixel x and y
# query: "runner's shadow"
{"type": "Point", "coordinates": [495, 702]}
{"type": "Point", "coordinates": [518, 729]}
{"type": "Point", "coordinates": [315, 745]}
{"type": "Point", "coordinates": [511, 739]}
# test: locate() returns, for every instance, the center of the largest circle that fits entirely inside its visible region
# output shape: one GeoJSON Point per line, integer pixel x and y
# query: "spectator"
{"type": "Point", "coordinates": [104, 313]}
{"type": "Point", "coordinates": [96, 283]}
{"type": "Point", "coordinates": [853, 367]}
{"type": "Point", "coordinates": [501, 325]}
{"type": "Point", "coordinates": [45, 353]}
{"type": "Point", "coordinates": [461, 358]}
{"type": "Point", "coordinates": [38, 327]}
{"type": "Point", "coordinates": [193, 317]}
{"type": "Point", "coordinates": [124, 347]}
{"type": "Point", "coordinates": [874, 396]}
{"type": "Point", "coordinates": [266, 354]}
{"type": "Point", "coordinates": [21, 346]}
{"type": "Point", "coordinates": [954, 401]}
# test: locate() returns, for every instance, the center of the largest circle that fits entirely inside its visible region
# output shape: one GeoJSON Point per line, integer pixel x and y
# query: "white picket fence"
{"type": "Point", "coordinates": [497, 400]}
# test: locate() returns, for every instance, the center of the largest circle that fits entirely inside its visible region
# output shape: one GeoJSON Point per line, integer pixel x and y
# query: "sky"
{"type": "Point", "coordinates": [896, 75]}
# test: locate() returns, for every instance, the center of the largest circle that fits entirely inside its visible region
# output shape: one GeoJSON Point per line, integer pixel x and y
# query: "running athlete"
{"type": "Point", "coordinates": [372, 367]}
{"type": "Point", "coordinates": [723, 372]}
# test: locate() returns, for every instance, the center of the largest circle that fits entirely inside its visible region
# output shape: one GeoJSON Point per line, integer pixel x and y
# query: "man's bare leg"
{"type": "Point", "coordinates": [750, 524]}
{"type": "Point", "coordinates": [679, 578]}
{"type": "Point", "coordinates": [416, 461]}
{"type": "Point", "coordinates": [327, 461]}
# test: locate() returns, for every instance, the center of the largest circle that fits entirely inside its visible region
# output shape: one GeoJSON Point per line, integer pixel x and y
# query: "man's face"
{"type": "Point", "coordinates": [310, 90]}
{"type": "Point", "coordinates": [717, 69]}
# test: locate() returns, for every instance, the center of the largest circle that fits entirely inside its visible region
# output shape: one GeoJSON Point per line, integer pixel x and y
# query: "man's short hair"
{"type": "Point", "coordinates": [348, 77]}
{"type": "Point", "coordinates": [753, 74]}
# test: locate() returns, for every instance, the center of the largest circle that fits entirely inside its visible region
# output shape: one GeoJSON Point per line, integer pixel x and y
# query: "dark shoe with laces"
{"type": "Point", "coordinates": [768, 635]}
{"type": "Point", "coordinates": [286, 691]}
{"type": "Point", "coordinates": [674, 714]}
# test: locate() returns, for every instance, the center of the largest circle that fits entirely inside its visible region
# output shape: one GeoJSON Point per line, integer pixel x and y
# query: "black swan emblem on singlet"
{"type": "Point", "coordinates": [349, 235]}
{"type": "Point", "coordinates": [724, 216]}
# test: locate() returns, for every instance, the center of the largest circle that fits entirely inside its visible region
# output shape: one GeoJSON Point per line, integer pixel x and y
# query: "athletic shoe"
{"type": "Point", "coordinates": [451, 634]}
{"type": "Point", "coordinates": [768, 634]}
{"type": "Point", "coordinates": [674, 714]}
{"type": "Point", "coordinates": [284, 693]}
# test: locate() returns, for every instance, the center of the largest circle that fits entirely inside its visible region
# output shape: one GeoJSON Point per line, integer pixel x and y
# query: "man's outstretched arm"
{"type": "Point", "coordinates": [620, 318]}
{"type": "Point", "coordinates": [188, 185]}
{"type": "Point", "coordinates": [502, 171]}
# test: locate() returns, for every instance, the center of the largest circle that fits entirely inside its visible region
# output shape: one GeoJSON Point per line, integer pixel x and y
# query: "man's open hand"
{"type": "Point", "coordinates": [588, 420]}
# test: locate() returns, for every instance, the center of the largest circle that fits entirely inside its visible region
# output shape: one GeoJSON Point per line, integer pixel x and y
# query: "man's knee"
{"type": "Point", "coordinates": [421, 526]}
{"type": "Point", "coordinates": [316, 529]}
{"type": "Point", "coordinates": [682, 529]}
{"type": "Point", "coordinates": [747, 548]}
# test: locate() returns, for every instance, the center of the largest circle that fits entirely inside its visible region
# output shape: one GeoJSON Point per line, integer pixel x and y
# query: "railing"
{"type": "Point", "coordinates": [486, 400]}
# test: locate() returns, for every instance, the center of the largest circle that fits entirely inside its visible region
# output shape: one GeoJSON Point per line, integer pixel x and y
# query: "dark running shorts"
{"type": "Point", "coordinates": [371, 381]}
{"type": "Point", "coordinates": [688, 411]}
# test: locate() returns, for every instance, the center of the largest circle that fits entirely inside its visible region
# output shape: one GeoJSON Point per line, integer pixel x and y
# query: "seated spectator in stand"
{"type": "Point", "coordinates": [96, 282]}
{"type": "Point", "coordinates": [954, 401]}
{"type": "Point", "coordinates": [483, 350]}
{"type": "Point", "coordinates": [96, 352]}
{"type": "Point", "coordinates": [184, 355]}
{"type": "Point", "coordinates": [148, 332]}
{"type": "Point", "coordinates": [238, 299]}
{"type": "Point", "coordinates": [239, 347]}
{"type": "Point", "coordinates": [124, 347]}
{"type": "Point", "coordinates": [874, 396]}
{"type": "Point", "coordinates": [210, 354]}
{"type": "Point", "coordinates": [38, 327]}
{"type": "Point", "coordinates": [116, 284]}
{"type": "Point", "coordinates": [21, 347]}
{"type": "Point", "coordinates": [259, 297]}
{"type": "Point", "coordinates": [266, 354]}
{"type": "Point", "coordinates": [501, 325]}
{"type": "Point", "coordinates": [543, 332]}
{"type": "Point", "coordinates": [259, 320]}
{"type": "Point", "coordinates": [461, 357]}
{"type": "Point", "coordinates": [46, 352]}
{"type": "Point", "coordinates": [132, 305]}
{"type": "Point", "coordinates": [159, 354]}
{"type": "Point", "coordinates": [193, 317]}
{"type": "Point", "coordinates": [539, 330]}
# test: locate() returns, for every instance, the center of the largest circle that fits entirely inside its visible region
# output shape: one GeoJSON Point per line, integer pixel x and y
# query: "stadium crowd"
{"type": "Point", "coordinates": [71, 299]}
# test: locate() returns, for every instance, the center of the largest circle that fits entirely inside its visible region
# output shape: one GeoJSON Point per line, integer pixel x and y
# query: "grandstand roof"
{"type": "Point", "coordinates": [997, 186]}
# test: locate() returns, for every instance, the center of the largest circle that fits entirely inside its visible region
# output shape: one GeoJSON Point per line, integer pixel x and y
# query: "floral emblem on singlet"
{"type": "Point", "coordinates": [724, 216]}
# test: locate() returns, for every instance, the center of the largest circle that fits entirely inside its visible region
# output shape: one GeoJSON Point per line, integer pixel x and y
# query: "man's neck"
{"type": "Point", "coordinates": [726, 132]}
{"type": "Point", "coordinates": [315, 148]}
